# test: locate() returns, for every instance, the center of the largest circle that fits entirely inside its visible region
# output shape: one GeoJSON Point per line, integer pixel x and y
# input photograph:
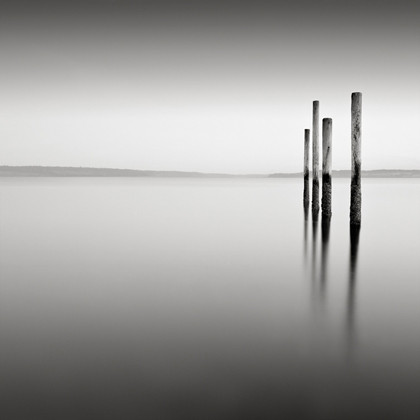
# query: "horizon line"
{"type": "Point", "coordinates": [185, 172]}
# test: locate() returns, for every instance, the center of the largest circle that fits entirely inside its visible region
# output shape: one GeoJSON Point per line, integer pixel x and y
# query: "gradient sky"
{"type": "Point", "coordinates": [220, 86]}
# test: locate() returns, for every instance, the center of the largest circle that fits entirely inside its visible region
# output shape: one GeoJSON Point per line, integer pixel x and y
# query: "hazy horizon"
{"type": "Point", "coordinates": [97, 168]}
{"type": "Point", "coordinates": [215, 87]}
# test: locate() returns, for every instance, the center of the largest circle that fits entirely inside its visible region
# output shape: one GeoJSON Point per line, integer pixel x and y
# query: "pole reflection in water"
{"type": "Point", "coordinates": [351, 295]}
{"type": "Point", "coordinates": [325, 238]}
{"type": "Point", "coordinates": [315, 217]}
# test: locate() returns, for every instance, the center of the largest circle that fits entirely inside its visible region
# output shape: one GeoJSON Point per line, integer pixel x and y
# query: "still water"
{"type": "Point", "coordinates": [207, 299]}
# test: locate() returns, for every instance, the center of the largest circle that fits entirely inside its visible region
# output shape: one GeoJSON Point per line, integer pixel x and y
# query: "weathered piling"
{"type": "Point", "coordinates": [326, 168]}
{"type": "Point", "coordinates": [326, 199]}
{"type": "Point", "coordinates": [356, 160]}
{"type": "Point", "coordinates": [306, 169]}
{"type": "Point", "coordinates": [306, 186]}
{"type": "Point", "coordinates": [315, 157]}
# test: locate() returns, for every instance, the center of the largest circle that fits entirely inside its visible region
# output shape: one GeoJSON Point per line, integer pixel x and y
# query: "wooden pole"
{"type": "Point", "coordinates": [306, 169]}
{"type": "Point", "coordinates": [356, 159]}
{"type": "Point", "coordinates": [315, 157]}
{"type": "Point", "coordinates": [315, 219]}
{"type": "Point", "coordinates": [326, 167]}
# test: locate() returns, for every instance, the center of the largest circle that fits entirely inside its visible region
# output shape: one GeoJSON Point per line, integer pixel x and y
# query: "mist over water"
{"type": "Point", "coordinates": [198, 298]}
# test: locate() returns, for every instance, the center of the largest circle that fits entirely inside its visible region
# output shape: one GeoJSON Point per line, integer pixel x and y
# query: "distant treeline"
{"type": "Point", "coordinates": [61, 171]}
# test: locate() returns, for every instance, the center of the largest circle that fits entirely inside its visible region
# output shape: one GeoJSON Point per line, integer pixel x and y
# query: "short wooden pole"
{"type": "Point", "coordinates": [326, 167]}
{"type": "Point", "coordinates": [356, 159]}
{"type": "Point", "coordinates": [306, 169]}
{"type": "Point", "coordinates": [315, 157]}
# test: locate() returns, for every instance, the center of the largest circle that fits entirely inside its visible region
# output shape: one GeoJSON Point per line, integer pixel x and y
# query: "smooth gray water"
{"type": "Point", "coordinates": [206, 299]}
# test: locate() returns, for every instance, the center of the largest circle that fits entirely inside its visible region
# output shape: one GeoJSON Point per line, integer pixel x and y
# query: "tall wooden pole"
{"type": "Point", "coordinates": [306, 169]}
{"type": "Point", "coordinates": [315, 157]}
{"type": "Point", "coordinates": [326, 167]}
{"type": "Point", "coordinates": [356, 159]}
{"type": "Point", "coordinates": [315, 183]}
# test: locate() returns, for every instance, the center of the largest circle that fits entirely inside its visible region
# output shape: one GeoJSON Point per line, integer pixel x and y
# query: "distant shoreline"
{"type": "Point", "coordinates": [61, 171]}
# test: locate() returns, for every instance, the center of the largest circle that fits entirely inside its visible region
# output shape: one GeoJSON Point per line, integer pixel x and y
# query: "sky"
{"type": "Point", "coordinates": [221, 86]}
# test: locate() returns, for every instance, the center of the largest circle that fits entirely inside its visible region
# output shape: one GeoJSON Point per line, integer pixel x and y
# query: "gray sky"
{"type": "Point", "coordinates": [221, 86]}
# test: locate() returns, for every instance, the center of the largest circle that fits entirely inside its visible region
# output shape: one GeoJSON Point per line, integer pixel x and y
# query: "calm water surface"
{"type": "Point", "coordinates": [207, 299]}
